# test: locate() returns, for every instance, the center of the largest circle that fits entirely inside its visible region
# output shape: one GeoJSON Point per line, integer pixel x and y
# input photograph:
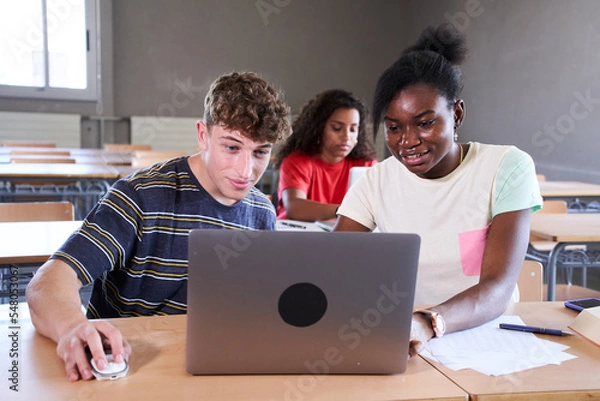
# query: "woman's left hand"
{"type": "Point", "coordinates": [420, 332]}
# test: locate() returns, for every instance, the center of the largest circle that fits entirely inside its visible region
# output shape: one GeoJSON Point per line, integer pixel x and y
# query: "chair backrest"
{"type": "Point", "coordinates": [126, 147]}
{"type": "Point", "coordinates": [531, 282]}
{"type": "Point", "coordinates": [36, 211]}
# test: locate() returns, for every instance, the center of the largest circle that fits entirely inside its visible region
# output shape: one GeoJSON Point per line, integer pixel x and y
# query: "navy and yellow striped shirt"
{"type": "Point", "coordinates": [133, 245]}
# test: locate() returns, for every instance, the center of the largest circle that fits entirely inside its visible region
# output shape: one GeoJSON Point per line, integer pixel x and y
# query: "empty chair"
{"type": "Point", "coordinates": [531, 282]}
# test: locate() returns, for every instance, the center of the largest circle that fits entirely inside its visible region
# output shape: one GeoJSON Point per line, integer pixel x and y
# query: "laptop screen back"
{"type": "Point", "coordinates": [298, 302]}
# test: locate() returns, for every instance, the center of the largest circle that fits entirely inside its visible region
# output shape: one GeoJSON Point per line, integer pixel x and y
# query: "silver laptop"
{"type": "Point", "coordinates": [294, 302]}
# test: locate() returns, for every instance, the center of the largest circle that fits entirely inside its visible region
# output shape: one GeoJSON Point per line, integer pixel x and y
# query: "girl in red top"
{"type": "Point", "coordinates": [329, 137]}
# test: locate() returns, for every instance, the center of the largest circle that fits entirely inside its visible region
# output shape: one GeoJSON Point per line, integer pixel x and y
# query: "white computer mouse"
{"type": "Point", "coordinates": [112, 371]}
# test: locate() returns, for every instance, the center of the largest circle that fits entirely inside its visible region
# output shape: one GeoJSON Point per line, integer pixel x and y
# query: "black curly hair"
{"type": "Point", "coordinates": [309, 125]}
{"type": "Point", "coordinates": [432, 60]}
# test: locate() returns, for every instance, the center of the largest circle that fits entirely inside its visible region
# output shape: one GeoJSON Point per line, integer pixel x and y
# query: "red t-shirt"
{"type": "Point", "coordinates": [322, 182]}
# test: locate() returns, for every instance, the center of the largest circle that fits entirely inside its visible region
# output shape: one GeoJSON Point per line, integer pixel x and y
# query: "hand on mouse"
{"type": "Point", "coordinates": [95, 335]}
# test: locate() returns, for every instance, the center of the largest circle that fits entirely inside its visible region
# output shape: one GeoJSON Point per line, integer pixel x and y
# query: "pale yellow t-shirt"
{"type": "Point", "coordinates": [451, 214]}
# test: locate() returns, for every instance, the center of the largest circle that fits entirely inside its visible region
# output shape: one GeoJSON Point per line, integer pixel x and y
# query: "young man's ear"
{"type": "Point", "coordinates": [203, 135]}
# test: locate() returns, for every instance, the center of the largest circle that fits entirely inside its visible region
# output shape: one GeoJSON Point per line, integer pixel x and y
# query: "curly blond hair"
{"type": "Point", "coordinates": [243, 101]}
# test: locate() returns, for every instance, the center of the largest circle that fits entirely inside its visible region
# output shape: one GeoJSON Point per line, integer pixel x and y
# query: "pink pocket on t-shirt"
{"type": "Point", "coordinates": [472, 245]}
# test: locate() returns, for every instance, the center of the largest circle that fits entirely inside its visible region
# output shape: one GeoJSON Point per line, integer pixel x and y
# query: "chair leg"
{"type": "Point", "coordinates": [568, 275]}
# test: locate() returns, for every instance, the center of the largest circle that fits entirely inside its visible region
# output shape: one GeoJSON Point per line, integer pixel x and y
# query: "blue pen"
{"type": "Point", "coordinates": [537, 330]}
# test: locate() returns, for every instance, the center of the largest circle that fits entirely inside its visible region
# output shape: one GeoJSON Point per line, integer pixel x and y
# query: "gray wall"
{"type": "Point", "coordinates": [531, 62]}
{"type": "Point", "coordinates": [304, 47]}
{"type": "Point", "coordinates": [532, 65]}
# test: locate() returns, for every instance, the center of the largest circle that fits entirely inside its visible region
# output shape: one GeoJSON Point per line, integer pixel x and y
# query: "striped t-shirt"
{"type": "Point", "coordinates": [133, 245]}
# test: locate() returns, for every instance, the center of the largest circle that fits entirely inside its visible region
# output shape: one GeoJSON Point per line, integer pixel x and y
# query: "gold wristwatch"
{"type": "Point", "coordinates": [438, 324]}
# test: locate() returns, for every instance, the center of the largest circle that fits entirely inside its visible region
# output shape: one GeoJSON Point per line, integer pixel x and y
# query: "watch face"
{"type": "Point", "coordinates": [440, 324]}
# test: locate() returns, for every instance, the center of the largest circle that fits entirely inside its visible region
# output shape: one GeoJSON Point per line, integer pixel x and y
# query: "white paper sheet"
{"type": "Point", "coordinates": [494, 351]}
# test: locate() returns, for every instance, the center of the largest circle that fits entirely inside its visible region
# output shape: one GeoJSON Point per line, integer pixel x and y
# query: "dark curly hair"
{"type": "Point", "coordinates": [432, 60]}
{"type": "Point", "coordinates": [309, 125]}
{"type": "Point", "coordinates": [245, 102]}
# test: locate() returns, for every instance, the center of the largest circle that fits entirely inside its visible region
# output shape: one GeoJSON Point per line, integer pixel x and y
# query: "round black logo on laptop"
{"type": "Point", "coordinates": [302, 304]}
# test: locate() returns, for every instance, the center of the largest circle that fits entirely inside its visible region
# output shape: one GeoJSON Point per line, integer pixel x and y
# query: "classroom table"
{"type": "Point", "coordinates": [158, 363]}
{"type": "Point", "coordinates": [565, 229]}
{"type": "Point", "coordinates": [56, 171]}
{"type": "Point", "coordinates": [157, 372]}
{"type": "Point", "coordinates": [572, 380]}
{"type": "Point", "coordinates": [81, 155]}
{"type": "Point", "coordinates": [25, 246]}
{"type": "Point", "coordinates": [120, 160]}
{"type": "Point", "coordinates": [580, 196]}
{"type": "Point", "coordinates": [32, 242]}
{"type": "Point", "coordinates": [81, 184]}
{"type": "Point", "coordinates": [103, 159]}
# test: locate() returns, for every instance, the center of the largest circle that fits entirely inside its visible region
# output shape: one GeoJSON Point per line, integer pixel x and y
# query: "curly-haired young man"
{"type": "Point", "coordinates": [132, 247]}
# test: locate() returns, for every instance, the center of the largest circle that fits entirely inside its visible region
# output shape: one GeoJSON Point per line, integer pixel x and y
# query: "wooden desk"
{"type": "Point", "coordinates": [81, 155]}
{"type": "Point", "coordinates": [111, 160]}
{"type": "Point", "coordinates": [108, 157]}
{"type": "Point", "coordinates": [580, 196]}
{"type": "Point", "coordinates": [81, 184]}
{"type": "Point", "coordinates": [576, 379]}
{"type": "Point", "coordinates": [50, 171]}
{"type": "Point", "coordinates": [121, 160]}
{"type": "Point", "coordinates": [125, 170]}
{"type": "Point", "coordinates": [25, 246]}
{"type": "Point", "coordinates": [568, 188]}
{"type": "Point", "coordinates": [565, 229]}
{"type": "Point", "coordinates": [157, 372]}
{"type": "Point", "coordinates": [33, 242]}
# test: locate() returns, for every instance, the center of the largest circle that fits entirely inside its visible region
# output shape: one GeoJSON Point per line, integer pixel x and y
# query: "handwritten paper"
{"type": "Point", "coordinates": [294, 225]}
{"type": "Point", "coordinates": [494, 351]}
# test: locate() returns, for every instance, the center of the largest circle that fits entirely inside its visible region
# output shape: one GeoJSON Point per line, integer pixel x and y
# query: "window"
{"type": "Point", "coordinates": [48, 49]}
